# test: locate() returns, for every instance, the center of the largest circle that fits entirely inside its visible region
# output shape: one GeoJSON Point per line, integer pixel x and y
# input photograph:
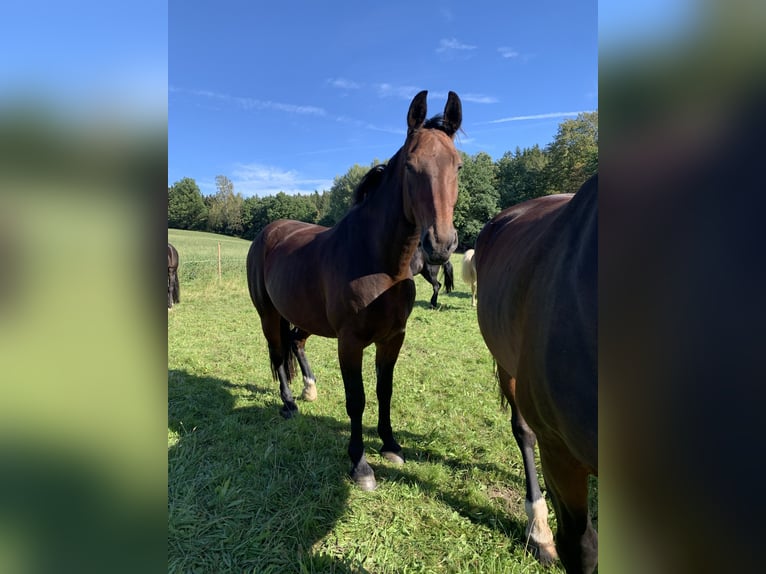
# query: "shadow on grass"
{"type": "Point", "coordinates": [443, 303]}
{"type": "Point", "coordinates": [483, 513]}
{"type": "Point", "coordinates": [250, 491]}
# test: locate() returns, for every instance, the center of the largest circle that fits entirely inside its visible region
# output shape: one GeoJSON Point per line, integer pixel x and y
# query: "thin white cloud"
{"type": "Point", "coordinates": [537, 117]}
{"type": "Point", "coordinates": [256, 104]}
{"type": "Point", "coordinates": [506, 52]}
{"type": "Point", "coordinates": [344, 84]}
{"type": "Point", "coordinates": [402, 92]}
{"type": "Point", "coordinates": [262, 180]}
{"type": "Point", "coordinates": [479, 99]}
{"type": "Point", "coordinates": [452, 44]}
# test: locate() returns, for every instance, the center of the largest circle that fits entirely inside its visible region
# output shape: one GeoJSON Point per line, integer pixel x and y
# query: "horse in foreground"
{"type": "Point", "coordinates": [419, 266]}
{"type": "Point", "coordinates": [352, 281]}
{"type": "Point", "coordinates": [537, 266]}
{"type": "Point", "coordinates": [468, 273]}
{"type": "Point", "coordinates": [174, 290]}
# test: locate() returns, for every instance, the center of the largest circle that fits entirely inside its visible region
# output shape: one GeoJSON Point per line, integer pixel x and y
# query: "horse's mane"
{"type": "Point", "coordinates": [372, 178]}
{"type": "Point", "coordinates": [370, 181]}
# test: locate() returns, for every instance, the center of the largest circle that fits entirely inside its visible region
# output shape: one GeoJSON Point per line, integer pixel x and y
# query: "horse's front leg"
{"type": "Point", "coordinates": [350, 358]}
{"type": "Point", "coordinates": [434, 297]}
{"type": "Point", "coordinates": [386, 354]}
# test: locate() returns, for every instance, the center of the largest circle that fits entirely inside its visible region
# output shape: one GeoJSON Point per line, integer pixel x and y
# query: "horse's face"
{"type": "Point", "coordinates": [430, 175]}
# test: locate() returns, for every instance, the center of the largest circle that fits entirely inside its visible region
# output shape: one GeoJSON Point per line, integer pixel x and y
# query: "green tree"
{"type": "Point", "coordinates": [259, 212]}
{"type": "Point", "coordinates": [225, 208]}
{"type": "Point", "coordinates": [477, 197]}
{"type": "Point", "coordinates": [573, 154]}
{"type": "Point", "coordinates": [186, 207]}
{"type": "Point", "coordinates": [339, 196]}
{"type": "Point", "coordinates": [284, 206]}
{"type": "Point", "coordinates": [521, 175]}
{"type": "Point", "coordinates": [253, 216]}
{"type": "Point", "coordinates": [321, 203]}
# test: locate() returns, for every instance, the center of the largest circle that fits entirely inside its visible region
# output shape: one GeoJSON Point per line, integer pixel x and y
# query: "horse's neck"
{"type": "Point", "coordinates": [391, 237]}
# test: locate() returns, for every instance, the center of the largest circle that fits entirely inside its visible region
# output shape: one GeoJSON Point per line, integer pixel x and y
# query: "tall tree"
{"type": "Point", "coordinates": [521, 175]}
{"type": "Point", "coordinates": [477, 197]}
{"type": "Point", "coordinates": [339, 199]}
{"type": "Point", "coordinates": [225, 212]}
{"type": "Point", "coordinates": [573, 154]}
{"type": "Point", "coordinates": [186, 207]}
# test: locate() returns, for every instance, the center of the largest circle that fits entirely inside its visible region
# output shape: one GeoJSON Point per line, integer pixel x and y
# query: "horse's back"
{"type": "Point", "coordinates": [284, 272]}
{"type": "Point", "coordinates": [276, 243]}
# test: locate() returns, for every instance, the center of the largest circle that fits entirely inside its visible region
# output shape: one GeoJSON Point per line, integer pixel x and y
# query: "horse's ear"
{"type": "Point", "coordinates": [453, 114]}
{"type": "Point", "coordinates": [417, 114]}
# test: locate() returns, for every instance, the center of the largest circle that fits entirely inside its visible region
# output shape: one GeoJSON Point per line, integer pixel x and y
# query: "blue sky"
{"type": "Point", "coordinates": [285, 96]}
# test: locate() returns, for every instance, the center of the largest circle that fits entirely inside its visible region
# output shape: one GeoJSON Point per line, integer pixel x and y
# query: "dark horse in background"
{"type": "Point", "coordinates": [536, 266]}
{"type": "Point", "coordinates": [352, 281]}
{"type": "Point", "coordinates": [174, 290]}
{"type": "Point", "coordinates": [419, 265]}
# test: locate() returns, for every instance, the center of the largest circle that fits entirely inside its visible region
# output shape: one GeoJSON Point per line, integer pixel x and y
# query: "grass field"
{"type": "Point", "coordinates": [251, 492]}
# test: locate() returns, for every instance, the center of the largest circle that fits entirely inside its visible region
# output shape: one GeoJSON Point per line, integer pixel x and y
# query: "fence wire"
{"type": "Point", "coordinates": [207, 269]}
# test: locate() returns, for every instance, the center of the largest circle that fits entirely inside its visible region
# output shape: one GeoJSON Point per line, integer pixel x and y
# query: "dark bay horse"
{"type": "Point", "coordinates": [536, 268]}
{"type": "Point", "coordinates": [418, 265]}
{"type": "Point", "coordinates": [352, 281]}
{"type": "Point", "coordinates": [174, 290]}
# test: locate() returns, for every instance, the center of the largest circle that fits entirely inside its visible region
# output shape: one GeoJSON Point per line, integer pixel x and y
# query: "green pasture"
{"type": "Point", "coordinates": [251, 492]}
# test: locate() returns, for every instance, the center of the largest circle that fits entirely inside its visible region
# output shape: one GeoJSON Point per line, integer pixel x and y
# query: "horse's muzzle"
{"type": "Point", "coordinates": [437, 250]}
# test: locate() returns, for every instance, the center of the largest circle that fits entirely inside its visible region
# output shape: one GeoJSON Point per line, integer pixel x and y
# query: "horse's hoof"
{"type": "Point", "coordinates": [546, 554]}
{"type": "Point", "coordinates": [393, 457]}
{"type": "Point", "coordinates": [309, 393]}
{"type": "Point", "coordinates": [366, 482]}
{"type": "Point", "coordinates": [288, 412]}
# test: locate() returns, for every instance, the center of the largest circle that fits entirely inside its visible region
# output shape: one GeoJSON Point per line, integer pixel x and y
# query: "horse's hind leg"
{"type": "Point", "coordinates": [386, 354]}
{"type": "Point", "coordinates": [538, 533]}
{"type": "Point", "coordinates": [309, 381]}
{"type": "Point", "coordinates": [278, 338]}
{"type": "Point", "coordinates": [567, 480]}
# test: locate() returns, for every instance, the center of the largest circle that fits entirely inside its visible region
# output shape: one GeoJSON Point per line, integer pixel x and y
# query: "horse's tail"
{"type": "Point", "coordinates": [286, 350]}
{"type": "Point", "coordinates": [449, 277]}
{"type": "Point", "coordinates": [176, 288]}
{"type": "Point", "coordinates": [504, 387]}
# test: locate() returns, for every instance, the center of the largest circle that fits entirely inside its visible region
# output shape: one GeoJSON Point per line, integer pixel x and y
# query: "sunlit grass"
{"type": "Point", "coordinates": [249, 491]}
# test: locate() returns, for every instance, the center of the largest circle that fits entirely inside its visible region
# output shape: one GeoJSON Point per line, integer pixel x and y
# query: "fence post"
{"type": "Point", "coordinates": [219, 260]}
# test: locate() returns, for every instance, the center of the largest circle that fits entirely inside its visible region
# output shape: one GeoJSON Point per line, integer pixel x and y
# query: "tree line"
{"type": "Point", "coordinates": [485, 187]}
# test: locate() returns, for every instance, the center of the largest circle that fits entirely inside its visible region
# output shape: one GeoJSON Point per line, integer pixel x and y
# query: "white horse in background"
{"type": "Point", "coordinates": [469, 274]}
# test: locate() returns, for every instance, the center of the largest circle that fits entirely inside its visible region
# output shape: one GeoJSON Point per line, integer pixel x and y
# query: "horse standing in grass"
{"type": "Point", "coordinates": [174, 290]}
{"type": "Point", "coordinates": [352, 281]}
{"type": "Point", "coordinates": [537, 265]}
{"type": "Point", "coordinates": [468, 272]}
{"type": "Point", "coordinates": [418, 265]}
